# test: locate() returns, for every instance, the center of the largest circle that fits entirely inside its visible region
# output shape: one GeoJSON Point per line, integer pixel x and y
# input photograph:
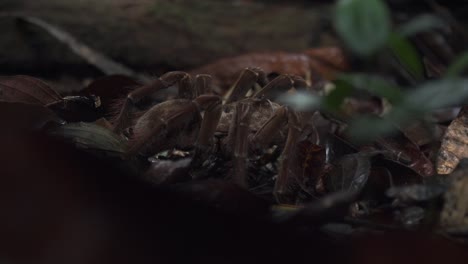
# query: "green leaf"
{"type": "Point", "coordinates": [438, 94]}
{"type": "Point", "coordinates": [421, 23]}
{"type": "Point", "coordinates": [457, 67]}
{"type": "Point", "coordinates": [373, 84]}
{"type": "Point", "coordinates": [427, 97]}
{"type": "Point", "coordinates": [364, 25]}
{"type": "Point", "coordinates": [301, 101]}
{"type": "Point", "coordinates": [332, 102]}
{"type": "Point", "coordinates": [368, 129]}
{"type": "Point", "coordinates": [407, 55]}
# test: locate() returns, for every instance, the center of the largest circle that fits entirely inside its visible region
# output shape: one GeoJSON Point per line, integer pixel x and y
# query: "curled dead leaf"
{"type": "Point", "coordinates": [30, 90]}
{"type": "Point", "coordinates": [26, 89]}
{"type": "Point", "coordinates": [402, 150]}
{"type": "Point", "coordinates": [454, 144]}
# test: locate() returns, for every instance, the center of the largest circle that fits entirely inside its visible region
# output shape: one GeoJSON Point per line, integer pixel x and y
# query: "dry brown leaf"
{"type": "Point", "coordinates": [454, 144]}
{"type": "Point", "coordinates": [312, 63]}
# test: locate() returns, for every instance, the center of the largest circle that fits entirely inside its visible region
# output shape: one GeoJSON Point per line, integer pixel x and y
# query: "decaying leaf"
{"type": "Point", "coordinates": [316, 63]}
{"type": "Point", "coordinates": [26, 89]}
{"type": "Point", "coordinates": [92, 137]}
{"type": "Point", "coordinates": [422, 133]}
{"type": "Point", "coordinates": [454, 144]}
{"type": "Point", "coordinates": [350, 173]}
{"type": "Point", "coordinates": [400, 149]}
{"type": "Point", "coordinates": [30, 90]}
{"type": "Point", "coordinates": [327, 62]}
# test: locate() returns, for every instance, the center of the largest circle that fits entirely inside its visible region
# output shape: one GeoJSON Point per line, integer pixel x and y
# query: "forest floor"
{"type": "Point", "coordinates": [154, 36]}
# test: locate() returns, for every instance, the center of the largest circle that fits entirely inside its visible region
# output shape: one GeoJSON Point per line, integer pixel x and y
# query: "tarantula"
{"type": "Point", "coordinates": [242, 124]}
